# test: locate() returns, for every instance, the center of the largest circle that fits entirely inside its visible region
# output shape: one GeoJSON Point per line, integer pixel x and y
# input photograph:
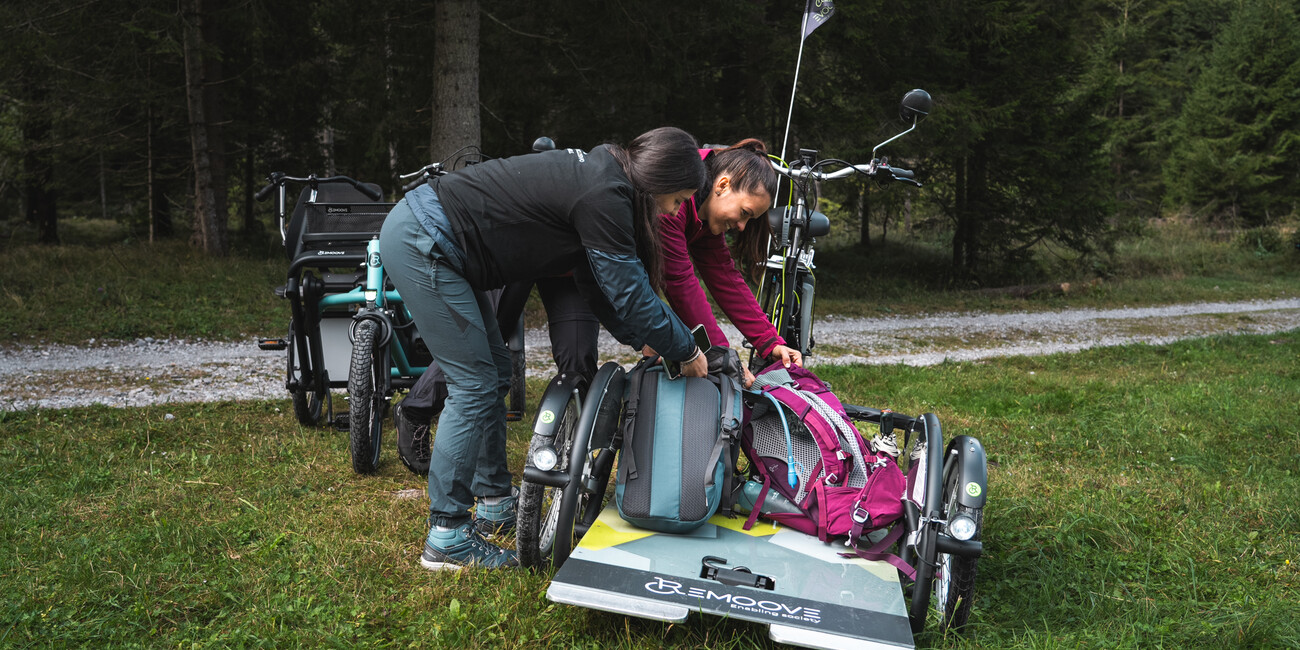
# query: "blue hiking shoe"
{"type": "Point", "coordinates": [498, 518]}
{"type": "Point", "coordinates": [455, 549]}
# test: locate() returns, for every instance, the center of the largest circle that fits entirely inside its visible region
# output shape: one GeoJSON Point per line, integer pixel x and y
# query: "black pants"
{"type": "Point", "coordinates": [573, 330]}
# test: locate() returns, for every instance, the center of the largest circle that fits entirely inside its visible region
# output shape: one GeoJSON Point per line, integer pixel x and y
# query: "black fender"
{"type": "Point", "coordinates": [972, 470]}
{"type": "Point", "coordinates": [604, 404]}
{"type": "Point", "coordinates": [553, 401]}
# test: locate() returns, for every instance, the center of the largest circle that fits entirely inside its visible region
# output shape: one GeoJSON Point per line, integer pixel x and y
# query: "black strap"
{"type": "Point", "coordinates": [726, 447]}
{"type": "Point", "coordinates": [629, 414]}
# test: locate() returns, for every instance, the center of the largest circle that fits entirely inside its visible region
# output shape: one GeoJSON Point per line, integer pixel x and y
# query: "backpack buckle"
{"type": "Point", "coordinates": [860, 515]}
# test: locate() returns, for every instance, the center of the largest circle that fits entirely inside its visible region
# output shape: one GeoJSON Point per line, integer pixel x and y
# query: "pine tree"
{"type": "Point", "coordinates": [1235, 142]}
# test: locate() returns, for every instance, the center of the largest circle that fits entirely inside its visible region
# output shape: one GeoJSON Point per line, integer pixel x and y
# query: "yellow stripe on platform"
{"type": "Point", "coordinates": [610, 530]}
{"type": "Point", "coordinates": [761, 528]}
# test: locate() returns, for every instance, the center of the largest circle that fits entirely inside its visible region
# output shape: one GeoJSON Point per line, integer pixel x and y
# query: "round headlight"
{"type": "Point", "coordinates": [961, 527]}
{"type": "Point", "coordinates": [545, 458]}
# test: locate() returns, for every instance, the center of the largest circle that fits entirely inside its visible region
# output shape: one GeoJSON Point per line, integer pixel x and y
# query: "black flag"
{"type": "Point", "coordinates": [816, 12]}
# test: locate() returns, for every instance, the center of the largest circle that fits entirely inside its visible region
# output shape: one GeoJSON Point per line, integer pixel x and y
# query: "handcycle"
{"type": "Point", "coordinates": [576, 440]}
{"type": "Point", "coordinates": [347, 319]}
{"type": "Point", "coordinates": [788, 284]}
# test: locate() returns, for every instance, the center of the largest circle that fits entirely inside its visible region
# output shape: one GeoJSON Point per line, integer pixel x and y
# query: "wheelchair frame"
{"type": "Point", "coordinates": [349, 327]}
{"type": "Point", "coordinates": [568, 497]}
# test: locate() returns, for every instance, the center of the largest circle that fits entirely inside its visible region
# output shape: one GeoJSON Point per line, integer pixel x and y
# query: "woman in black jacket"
{"type": "Point", "coordinates": [522, 218]}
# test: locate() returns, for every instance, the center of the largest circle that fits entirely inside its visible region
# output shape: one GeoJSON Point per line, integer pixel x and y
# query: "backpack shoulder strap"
{"type": "Point", "coordinates": [629, 413]}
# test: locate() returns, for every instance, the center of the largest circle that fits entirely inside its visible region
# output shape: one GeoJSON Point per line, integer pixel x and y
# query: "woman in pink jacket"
{"type": "Point", "coordinates": [735, 198]}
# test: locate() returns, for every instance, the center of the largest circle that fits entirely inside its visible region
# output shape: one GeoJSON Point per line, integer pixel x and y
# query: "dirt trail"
{"type": "Point", "coordinates": [148, 371]}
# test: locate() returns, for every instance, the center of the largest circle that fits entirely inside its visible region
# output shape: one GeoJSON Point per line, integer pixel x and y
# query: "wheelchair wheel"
{"type": "Point", "coordinates": [366, 400]}
{"type": "Point", "coordinates": [954, 586]}
{"type": "Point", "coordinates": [926, 550]}
{"type": "Point", "coordinates": [591, 459]}
{"type": "Point", "coordinates": [539, 505]}
{"type": "Point", "coordinates": [587, 456]}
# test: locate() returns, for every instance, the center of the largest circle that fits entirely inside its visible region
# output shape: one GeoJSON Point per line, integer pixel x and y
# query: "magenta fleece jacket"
{"type": "Point", "coordinates": [688, 246]}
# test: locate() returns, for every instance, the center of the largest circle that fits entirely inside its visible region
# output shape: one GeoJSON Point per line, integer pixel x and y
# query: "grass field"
{"type": "Point", "coordinates": [1140, 497]}
{"type": "Point", "coordinates": [106, 288]}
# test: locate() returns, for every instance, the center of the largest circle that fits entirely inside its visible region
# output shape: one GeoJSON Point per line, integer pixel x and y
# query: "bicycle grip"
{"type": "Point", "coordinates": [264, 192]}
{"type": "Point", "coordinates": [902, 173]}
{"type": "Point", "coordinates": [414, 184]}
{"type": "Point", "coordinates": [368, 191]}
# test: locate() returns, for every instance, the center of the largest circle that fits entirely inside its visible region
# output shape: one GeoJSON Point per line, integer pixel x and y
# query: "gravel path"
{"type": "Point", "coordinates": [148, 371]}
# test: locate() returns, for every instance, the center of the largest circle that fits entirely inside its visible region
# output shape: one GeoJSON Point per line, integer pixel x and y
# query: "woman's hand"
{"type": "Point", "coordinates": [786, 356]}
{"type": "Point", "coordinates": [697, 367]}
{"type": "Point", "coordinates": [749, 376]}
{"type": "Point", "coordinates": [647, 351]}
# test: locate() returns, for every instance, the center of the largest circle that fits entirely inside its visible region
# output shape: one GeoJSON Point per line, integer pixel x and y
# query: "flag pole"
{"type": "Point", "coordinates": [794, 86]}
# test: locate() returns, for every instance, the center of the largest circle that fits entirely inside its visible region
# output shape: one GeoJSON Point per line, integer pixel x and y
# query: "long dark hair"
{"type": "Point", "coordinates": [747, 164]}
{"type": "Point", "coordinates": [663, 161]}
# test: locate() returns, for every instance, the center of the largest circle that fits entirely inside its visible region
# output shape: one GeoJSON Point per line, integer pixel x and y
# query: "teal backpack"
{"type": "Point", "coordinates": [678, 454]}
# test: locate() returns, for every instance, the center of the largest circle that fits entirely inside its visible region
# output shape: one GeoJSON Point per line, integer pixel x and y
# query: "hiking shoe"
{"type": "Point", "coordinates": [493, 520]}
{"type": "Point", "coordinates": [413, 441]}
{"type": "Point", "coordinates": [455, 549]}
{"type": "Point", "coordinates": [885, 443]}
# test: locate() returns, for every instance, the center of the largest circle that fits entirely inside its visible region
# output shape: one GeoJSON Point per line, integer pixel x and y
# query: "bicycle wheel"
{"type": "Point", "coordinates": [954, 587]}
{"type": "Point", "coordinates": [309, 402]}
{"type": "Point", "coordinates": [539, 505]}
{"type": "Point", "coordinates": [366, 400]}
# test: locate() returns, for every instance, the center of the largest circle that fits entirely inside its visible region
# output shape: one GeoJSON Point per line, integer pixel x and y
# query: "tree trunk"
{"type": "Point", "coordinates": [160, 216]}
{"type": "Point", "coordinates": [207, 235]}
{"type": "Point", "coordinates": [38, 165]}
{"type": "Point", "coordinates": [861, 209]}
{"type": "Point", "coordinates": [455, 78]}
{"type": "Point", "coordinates": [214, 112]}
{"type": "Point", "coordinates": [251, 226]}
{"type": "Point", "coordinates": [907, 215]}
{"type": "Point", "coordinates": [103, 189]}
{"type": "Point", "coordinates": [960, 211]}
{"type": "Point", "coordinates": [884, 222]}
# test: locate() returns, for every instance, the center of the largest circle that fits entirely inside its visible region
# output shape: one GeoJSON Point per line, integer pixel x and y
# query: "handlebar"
{"type": "Point", "coordinates": [279, 178]}
{"type": "Point", "coordinates": [878, 169]}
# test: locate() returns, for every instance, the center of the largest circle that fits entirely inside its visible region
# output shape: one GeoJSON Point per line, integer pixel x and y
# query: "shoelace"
{"type": "Point", "coordinates": [480, 545]}
{"type": "Point", "coordinates": [420, 442]}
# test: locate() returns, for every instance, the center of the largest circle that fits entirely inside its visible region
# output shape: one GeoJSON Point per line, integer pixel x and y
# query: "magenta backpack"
{"type": "Point", "coordinates": [809, 452]}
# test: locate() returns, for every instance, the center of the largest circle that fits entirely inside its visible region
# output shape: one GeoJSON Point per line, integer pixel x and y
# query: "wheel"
{"type": "Point", "coordinates": [926, 554]}
{"type": "Point", "coordinates": [551, 519]}
{"type": "Point", "coordinates": [309, 403]}
{"type": "Point", "coordinates": [539, 505]}
{"type": "Point", "coordinates": [954, 588]}
{"type": "Point", "coordinates": [591, 458]}
{"type": "Point", "coordinates": [925, 561]}
{"type": "Point", "coordinates": [367, 401]}
{"type": "Point", "coordinates": [515, 410]}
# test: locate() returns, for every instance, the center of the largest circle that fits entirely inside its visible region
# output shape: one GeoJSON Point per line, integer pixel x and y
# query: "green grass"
{"type": "Point", "coordinates": [1169, 264]}
{"type": "Point", "coordinates": [107, 287]}
{"type": "Point", "coordinates": [1139, 497]}
{"type": "Point", "coordinates": [72, 293]}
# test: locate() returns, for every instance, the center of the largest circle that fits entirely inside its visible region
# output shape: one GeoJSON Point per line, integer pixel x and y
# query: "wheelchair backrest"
{"type": "Point", "coordinates": [339, 215]}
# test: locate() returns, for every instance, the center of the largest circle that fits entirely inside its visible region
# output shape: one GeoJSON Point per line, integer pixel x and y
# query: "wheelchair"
{"type": "Point", "coordinates": [349, 328]}
{"type": "Point", "coordinates": [577, 437]}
